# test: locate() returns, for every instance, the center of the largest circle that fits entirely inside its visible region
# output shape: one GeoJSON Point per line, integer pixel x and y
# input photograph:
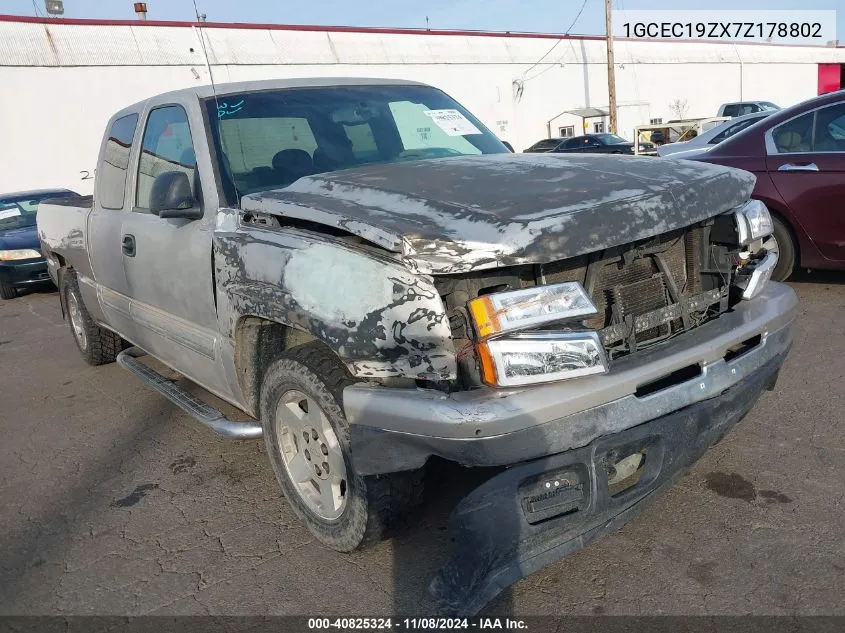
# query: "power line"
{"type": "Point", "coordinates": [36, 9]}
{"type": "Point", "coordinates": [555, 45]}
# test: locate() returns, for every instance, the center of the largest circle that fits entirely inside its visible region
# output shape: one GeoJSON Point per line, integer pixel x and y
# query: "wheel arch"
{"type": "Point", "coordinates": [258, 342]}
{"type": "Point", "coordinates": [779, 213]}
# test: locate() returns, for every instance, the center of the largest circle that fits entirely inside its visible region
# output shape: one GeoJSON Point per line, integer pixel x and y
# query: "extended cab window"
{"type": "Point", "coordinates": [166, 146]}
{"type": "Point", "coordinates": [111, 177]}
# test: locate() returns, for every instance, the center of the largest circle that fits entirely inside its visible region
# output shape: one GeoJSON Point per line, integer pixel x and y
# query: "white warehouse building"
{"type": "Point", "coordinates": [62, 79]}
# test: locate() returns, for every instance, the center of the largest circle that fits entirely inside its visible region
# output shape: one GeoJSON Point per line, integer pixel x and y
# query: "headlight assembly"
{"type": "Point", "coordinates": [519, 309]}
{"type": "Point", "coordinates": [541, 357]}
{"type": "Point", "coordinates": [753, 221]}
{"type": "Point", "coordinates": [20, 253]}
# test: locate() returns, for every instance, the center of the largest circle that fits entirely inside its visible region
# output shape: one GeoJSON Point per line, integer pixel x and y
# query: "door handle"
{"type": "Point", "coordinates": [798, 167]}
{"type": "Point", "coordinates": [128, 245]}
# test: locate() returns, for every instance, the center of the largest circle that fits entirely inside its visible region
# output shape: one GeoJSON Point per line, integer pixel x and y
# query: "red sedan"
{"type": "Point", "coordinates": [798, 156]}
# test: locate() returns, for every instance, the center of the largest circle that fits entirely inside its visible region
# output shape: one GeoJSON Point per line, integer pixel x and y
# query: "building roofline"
{"type": "Point", "coordinates": [368, 29]}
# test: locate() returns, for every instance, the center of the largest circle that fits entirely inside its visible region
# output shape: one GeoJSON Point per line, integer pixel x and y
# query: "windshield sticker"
{"type": "Point", "coordinates": [452, 122]}
{"type": "Point", "coordinates": [226, 109]}
{"type": "Point", "coordinates": [9, 213]}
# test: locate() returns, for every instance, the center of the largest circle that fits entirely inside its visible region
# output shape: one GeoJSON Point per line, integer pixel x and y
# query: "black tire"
{"type": "Point", "coordinates": [100, 346]}
{"type": "Point", "coordinates": [375, 507]}
{"type": "Point", "coordinates": [7, 290]}
{"type": "Point", "coordinates": [786, 250]}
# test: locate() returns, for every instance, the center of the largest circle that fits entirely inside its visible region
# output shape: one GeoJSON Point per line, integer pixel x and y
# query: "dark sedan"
{"type": "Point", "coordinates": [591, 143]}
{"type": "Point", "coordinates": [798, 156]}
{"type": "Point", "coordinates": [21, 262]}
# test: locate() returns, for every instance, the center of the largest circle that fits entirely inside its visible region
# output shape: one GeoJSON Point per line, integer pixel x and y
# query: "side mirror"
{"type": "Point", "coordinates": [171, 196]}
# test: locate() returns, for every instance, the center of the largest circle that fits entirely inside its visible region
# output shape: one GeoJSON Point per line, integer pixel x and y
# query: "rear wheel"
{"type": "Point", "coordinates": [307, 439]}
{"type": "Point", "coordinates": [7, 290]}
{"type": "Point", "coordinates": [782, 243]}
{"type": "Point", "coordinates": [97, 345]}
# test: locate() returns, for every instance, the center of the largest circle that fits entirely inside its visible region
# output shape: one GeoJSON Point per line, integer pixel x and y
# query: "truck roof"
{"type": "Point", "coordinates": [222, 89]}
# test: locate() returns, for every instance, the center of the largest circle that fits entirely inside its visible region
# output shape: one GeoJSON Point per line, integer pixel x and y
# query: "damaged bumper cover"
{"type": "Point", "coordinates": [399, 429]}
{"type": "Point", "coordinates": [536, 513]}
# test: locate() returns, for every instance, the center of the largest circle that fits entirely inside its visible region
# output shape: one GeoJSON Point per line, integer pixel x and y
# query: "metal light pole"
{"type": "Point", "coordinates": [611, 68]}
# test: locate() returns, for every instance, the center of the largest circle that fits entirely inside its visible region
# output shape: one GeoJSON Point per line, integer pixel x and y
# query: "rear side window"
{"type": "Point", "coordinates": [111, 177]}
{"type": "Point", "coordinates": [731, 110]}
{"type": "Point", "coordinates": [545, 145]}
{"type": "Point", "coordinates": [795, 136]}
{"type": "Point", "coordinates": [730, 130]}
{"type": "Point", "coordinates": [167, 146]}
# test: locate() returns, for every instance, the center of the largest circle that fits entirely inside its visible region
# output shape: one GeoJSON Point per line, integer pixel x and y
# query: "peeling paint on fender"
{"type": "Point", "coordinates": [380, 319]}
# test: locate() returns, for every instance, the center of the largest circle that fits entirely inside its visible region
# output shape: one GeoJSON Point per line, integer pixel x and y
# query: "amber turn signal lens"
{"type": "Point", "coordinates": [488, 367]}
{"type": "Point", "coordinates": [484, 316]}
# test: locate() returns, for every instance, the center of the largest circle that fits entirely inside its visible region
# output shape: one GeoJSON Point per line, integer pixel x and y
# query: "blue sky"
{"type": "Point", "coordinates": [497, 15]}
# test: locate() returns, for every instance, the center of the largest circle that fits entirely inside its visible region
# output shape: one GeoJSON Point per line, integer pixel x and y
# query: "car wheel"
{"type": "Point", "coordinates": [97, 345]}
{"type": "Point", "coordinates": [307, 439]}
{"type": "Point", "coordinates": [782, 243]}
{"type": "Point", "coordinates": [7, 290]}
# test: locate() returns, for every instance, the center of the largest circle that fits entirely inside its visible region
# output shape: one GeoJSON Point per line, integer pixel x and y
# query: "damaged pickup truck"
{"type": "Point", "coordinates": [367, 271]}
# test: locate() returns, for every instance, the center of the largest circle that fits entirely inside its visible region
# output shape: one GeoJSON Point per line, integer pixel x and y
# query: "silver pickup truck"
{"type": "Point", "coordinates": [366, 271]}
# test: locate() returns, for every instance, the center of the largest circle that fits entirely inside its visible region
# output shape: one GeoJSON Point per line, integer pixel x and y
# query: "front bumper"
{"type": "Point", "coordinates": [399, 429]}
{"type": "Point", "coordinates": [25, 272]}
{"type": "Point", "coordinates": [536, 513]}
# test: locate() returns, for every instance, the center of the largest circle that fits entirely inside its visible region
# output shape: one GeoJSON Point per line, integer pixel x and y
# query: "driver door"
{"type": "Point", "coordinates": [168, 261]}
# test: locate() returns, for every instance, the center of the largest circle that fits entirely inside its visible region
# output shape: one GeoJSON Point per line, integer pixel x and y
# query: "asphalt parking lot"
{"type": "Point", "coordinates": [115, 502]}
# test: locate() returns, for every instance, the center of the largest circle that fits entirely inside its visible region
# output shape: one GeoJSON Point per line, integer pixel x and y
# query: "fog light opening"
{"type": "Point", "coordinates": [625, 473]}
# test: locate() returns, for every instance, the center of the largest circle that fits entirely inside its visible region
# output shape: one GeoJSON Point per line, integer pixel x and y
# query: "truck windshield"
{"type": "Point", "coordinates": [268, 139]}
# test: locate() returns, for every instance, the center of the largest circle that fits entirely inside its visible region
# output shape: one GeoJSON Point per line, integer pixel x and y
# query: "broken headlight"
{"type": "Point", "coordinates": [519, 309]}
{"type": "Point", "coordinates": [754, 275]}
{"type": "Point", "coordinates": [753, 221]}
{"type": "Point", "coordinates": [541, 357]}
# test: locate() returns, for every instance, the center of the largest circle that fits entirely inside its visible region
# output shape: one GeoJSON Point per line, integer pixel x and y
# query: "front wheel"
{"type": "Point", "coordinates": [307, 439]}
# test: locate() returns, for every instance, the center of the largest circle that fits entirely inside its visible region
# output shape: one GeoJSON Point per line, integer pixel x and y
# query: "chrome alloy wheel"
{"type": "Point", "coordinates": [311, 454]}
{"type": "Point", "coordinates": [76, 321]}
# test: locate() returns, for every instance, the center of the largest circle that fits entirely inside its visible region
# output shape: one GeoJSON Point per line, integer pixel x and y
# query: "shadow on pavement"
{"type": "Point", "coordinates": [421, 550]}
{"type": "Point", "coordinates": [804, 276]}
{"type": "Point", "coordinates": [46, 535]}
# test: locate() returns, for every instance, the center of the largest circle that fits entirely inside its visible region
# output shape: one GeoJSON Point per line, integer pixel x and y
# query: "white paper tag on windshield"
{"type": "Point", "coordinates": [452, 122]}
{"type": "Point", "coordinates": [9, 213]}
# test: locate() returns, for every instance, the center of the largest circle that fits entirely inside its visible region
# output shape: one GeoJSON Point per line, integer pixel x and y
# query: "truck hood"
{"type": "Point", "coordinates": [473, 212]}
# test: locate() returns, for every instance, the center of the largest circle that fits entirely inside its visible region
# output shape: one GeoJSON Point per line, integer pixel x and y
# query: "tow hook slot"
{"type": "Point", "coordinates": [739, 349]}
{"type": "Point", "coordinates": [669, 380]}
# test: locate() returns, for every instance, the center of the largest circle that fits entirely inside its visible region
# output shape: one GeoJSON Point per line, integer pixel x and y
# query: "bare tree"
{"type": "Point", "coordinates": [679, 107]}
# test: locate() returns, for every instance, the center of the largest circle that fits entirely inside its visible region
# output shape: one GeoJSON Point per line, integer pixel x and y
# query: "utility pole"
{"type": "Point", "coordinates": [611, 72]}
